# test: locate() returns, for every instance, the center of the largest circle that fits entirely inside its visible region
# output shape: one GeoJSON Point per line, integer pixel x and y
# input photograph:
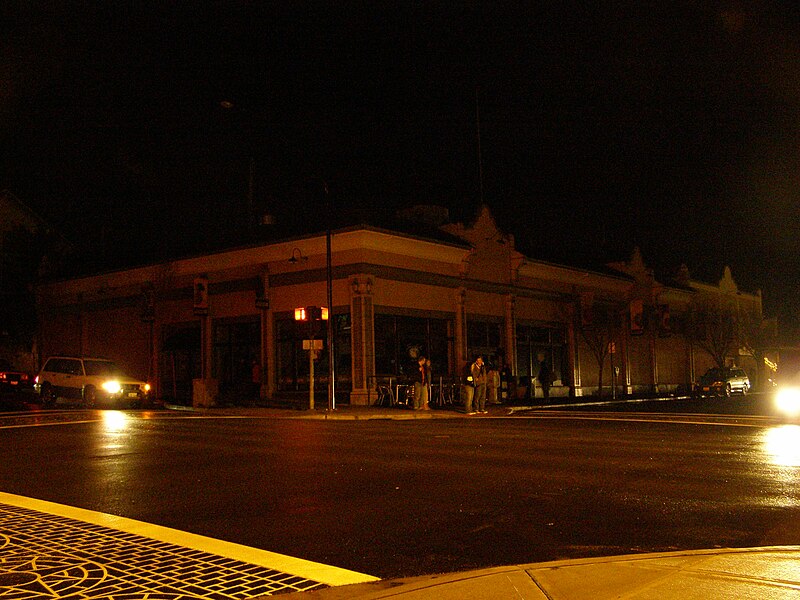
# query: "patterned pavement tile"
{"type": "Point", "coordinates": [46, 556]}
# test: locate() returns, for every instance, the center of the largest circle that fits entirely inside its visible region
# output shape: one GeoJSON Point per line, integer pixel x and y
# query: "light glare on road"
{"type": "Point", "coordinates": [787, 401]}
{"type": "Point", "coordinates": [115, 421]}
{"type": "Point", "coordinates": [782, 445]}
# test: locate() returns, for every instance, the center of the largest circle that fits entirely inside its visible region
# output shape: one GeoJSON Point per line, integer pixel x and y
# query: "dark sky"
{"type": "Point", "coordinates": [673, 126]}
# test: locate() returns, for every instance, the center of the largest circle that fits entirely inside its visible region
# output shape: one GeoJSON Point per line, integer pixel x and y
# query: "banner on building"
{"type": "Point", "coordinates": [262, 293]}
{"type": "Point", "coordinates": [587, 316]}
{"type": "Point", "coordinates": [637, 317]}
{"type": "Point", "coordinates": [663, 320]}
{"type": "Point", "coordinates": [148, 305]}
{"type": "Point", "coordinates": [201, 296]}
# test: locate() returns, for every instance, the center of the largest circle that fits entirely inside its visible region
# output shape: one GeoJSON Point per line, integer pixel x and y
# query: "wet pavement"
{"type": "Point", "coordinates": [59, 552]}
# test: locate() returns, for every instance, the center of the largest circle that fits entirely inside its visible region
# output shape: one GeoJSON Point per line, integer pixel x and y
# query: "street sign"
{"type": "Point", "coordinates": [312, 344]}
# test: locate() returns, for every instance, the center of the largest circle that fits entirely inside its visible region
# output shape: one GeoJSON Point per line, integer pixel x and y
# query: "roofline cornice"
{"type": "Point", "coordinates": [343, 240]}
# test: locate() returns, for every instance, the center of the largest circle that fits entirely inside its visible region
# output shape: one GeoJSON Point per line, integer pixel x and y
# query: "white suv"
{"type": "Point", "coordinates": [90, 381]}
{"type": "Point", "coordinates": [723, 382]}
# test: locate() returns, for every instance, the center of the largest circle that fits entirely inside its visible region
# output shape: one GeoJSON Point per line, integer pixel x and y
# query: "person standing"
{"type": "Point", "coordinates": [492, 384]}
{"type": "Point", "coordinates": [545, 378]}
{"type": "Point", "coordinates": [255, 381]}
{"type": "Point", "coordinates": [468, 388]}
{"type": "Point", "coordinates": [429, 382]}
{"type": "Point", "coordinates": [421, 385]}
{"type": "Point", "coordinates": [478, 372]}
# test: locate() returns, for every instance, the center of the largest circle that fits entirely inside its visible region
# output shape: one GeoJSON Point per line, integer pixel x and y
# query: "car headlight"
{"type": "Point", "coordinates": [146, 388]}
{"type": "Point", "coordinates": [787, 400]}
{"type": "Point", "coordinates": [112, 386]}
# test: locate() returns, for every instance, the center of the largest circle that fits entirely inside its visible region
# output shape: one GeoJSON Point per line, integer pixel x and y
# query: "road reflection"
{"type": "Point", "coordinates": [116, 426]}
{"type": "Point", "coordinates": [782, 446]}
{"type": "Point", "coordinates": [115, 421]}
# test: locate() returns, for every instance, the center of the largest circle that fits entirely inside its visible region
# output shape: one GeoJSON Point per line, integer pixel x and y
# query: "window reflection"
{"type": "Point", "coordinates": [782, 445]}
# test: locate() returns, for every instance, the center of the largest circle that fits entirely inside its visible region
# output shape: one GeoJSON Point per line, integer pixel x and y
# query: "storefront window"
{"type": "Point", "coordinates": [237, 349]}
{"type": "Point", "coordinates": [538, 344]}
{"type": "Point", "coordinates": [179, 361]}
{"type": "Point", "coordinates": [293, 361]}
{"type": "Point", "coordinates": [484, 338]}
{"type": "Point", "coordinates": [399, 340]}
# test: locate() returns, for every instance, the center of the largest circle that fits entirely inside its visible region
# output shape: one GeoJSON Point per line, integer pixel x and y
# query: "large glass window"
{"type": "Point", "coordinates": [399, 340]}
{"type": "Point", "coordinates": [293, 361]}
{"type": "Point", "coordinates": [237, 349]}
{"type": "Point", "coordinates": [541, 344]}
{"type": "Point", "coordinates": [179, 361]}
{"type": "Point", "coordinates": [484, 338]}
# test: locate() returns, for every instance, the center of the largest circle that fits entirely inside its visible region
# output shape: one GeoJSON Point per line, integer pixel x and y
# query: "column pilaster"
{"type": "Point", "coordinates": [460, 328]}
{"type": "Point", "coordinates": [362, 338]}
{"type": "Point", "coordinates": [510, 333]}
{"type": "Point", "coordinates": [267, 351]}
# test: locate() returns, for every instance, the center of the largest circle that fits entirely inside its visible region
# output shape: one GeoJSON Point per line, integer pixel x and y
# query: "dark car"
{"type": "Point", "coordinates": [723, 382]}
{"type": "Point", "coordinates": [15, 385]}
{"type": "Point", "coordinates": [12, 379]}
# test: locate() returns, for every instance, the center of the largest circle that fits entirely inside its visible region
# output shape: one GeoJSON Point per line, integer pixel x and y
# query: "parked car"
{"type": "Point", "coordinates": [16, 386]}
{"type": "Point", "coordinates": [723, 382]}
{"type": "Point", "coordinates": [12, 379]}
{"type": "Point", "coordinates": [90, 382]}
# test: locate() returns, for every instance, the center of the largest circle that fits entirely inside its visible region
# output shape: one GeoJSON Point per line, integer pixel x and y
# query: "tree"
{"type": "Point", "coordinates": [756, 336]}
{"type": "Point", "coordinates": [598, 332]}
{"type": "Point", "coordinates": [712, 325]}
{"type": "Point", "coordinates": [722, 327]}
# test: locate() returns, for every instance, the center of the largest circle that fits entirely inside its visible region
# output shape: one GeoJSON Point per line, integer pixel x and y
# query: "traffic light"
{"type": "Point", "coordinates": [311, 313]}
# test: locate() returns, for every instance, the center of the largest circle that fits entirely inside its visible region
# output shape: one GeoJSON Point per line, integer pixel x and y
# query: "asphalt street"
{"type": "Point", "coordinates": [394, 498]}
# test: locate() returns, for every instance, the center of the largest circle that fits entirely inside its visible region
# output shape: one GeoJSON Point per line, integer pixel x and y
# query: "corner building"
{"type": "Point", "coordinates": [221, 328]}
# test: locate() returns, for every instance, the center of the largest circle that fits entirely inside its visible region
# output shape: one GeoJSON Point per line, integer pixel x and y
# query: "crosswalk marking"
{"type": "Point", "coordinates": [54, 549]}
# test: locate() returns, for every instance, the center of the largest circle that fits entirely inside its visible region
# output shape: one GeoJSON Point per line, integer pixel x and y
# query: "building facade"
{"type": "Point", "coordinates": [221, 328]}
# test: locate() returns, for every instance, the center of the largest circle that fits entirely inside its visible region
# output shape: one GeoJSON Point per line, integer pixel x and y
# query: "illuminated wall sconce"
{"type": "Point", "coordinates": [297, 256]}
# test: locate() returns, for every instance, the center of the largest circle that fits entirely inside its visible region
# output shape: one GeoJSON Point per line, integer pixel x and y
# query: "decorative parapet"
{"type": "Point", "coordinates": [361, 284]}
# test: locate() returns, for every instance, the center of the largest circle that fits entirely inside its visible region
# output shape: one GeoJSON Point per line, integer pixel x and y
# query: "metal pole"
{"type": "Point", "coordinates": [311, 354]}
{"type": "Point", "coordinates": [613, 349]}
{"type": "Point", "coordinates": [331, 349]}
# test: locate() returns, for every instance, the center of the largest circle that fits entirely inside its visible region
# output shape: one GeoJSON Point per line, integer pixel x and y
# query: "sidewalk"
{"type": "Point", "coordinates": [358, 412]}
{"type": "Point", "coordinates": [347, 412]}
{"type": "Point", "coordinates": [749, 573]}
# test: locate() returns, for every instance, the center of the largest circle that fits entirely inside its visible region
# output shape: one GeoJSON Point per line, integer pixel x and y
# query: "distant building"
{"type": "Point", "coordinates": [15, 214]}
{"type": "Point", "coordinates": [448, 291]}
{"type": "Point", "coordinates": [29, 248]}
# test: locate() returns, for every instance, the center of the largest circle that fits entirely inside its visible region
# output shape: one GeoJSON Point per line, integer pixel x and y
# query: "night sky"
{"type": "Point", "coordinates": [670, 126]}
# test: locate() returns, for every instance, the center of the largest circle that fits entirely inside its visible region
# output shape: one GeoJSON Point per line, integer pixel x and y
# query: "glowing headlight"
{"type": "Point", "coordinates": [788, 401]}
{"type": "Point", "coordinates": [146, 387]}
{"type": "Point", "coordinates": [112, 387]}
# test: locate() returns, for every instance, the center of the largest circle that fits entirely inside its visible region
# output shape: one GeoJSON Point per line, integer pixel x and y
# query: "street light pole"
{"type": "Point", "coordinates": [331, 356]}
